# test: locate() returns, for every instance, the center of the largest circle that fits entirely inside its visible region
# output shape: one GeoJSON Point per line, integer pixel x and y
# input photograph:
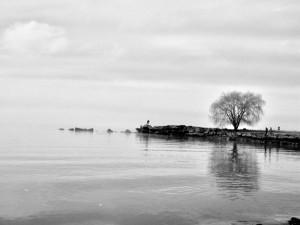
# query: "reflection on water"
{"type": "Point", "coordinates": [146, 139]}
{"type": "Point", "coordinates": [102, 218]}
{"type": "Point", "coordinates": [235, 169]}
{"type": "Point", "coordinates": [63, 178]}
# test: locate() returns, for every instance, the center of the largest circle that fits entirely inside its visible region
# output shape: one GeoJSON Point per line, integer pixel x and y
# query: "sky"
{"type": "Point", "coordinates": [118, 63]}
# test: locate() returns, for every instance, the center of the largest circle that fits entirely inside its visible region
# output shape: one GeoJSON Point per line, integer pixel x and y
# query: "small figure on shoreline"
{"type": "Point", "coordinates": [266, 131]}
{"type": "Point", "coordinates": [147, 124]}
{"type": "Point", "coordinates": [271, 131]}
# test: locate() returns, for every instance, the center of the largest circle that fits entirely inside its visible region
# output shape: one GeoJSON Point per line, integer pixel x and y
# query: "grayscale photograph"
{"type": "Point", "coordinates": [149, 112]}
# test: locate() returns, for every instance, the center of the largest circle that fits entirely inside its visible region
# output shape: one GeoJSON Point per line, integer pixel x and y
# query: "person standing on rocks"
{"type": "Point", "coordinates": [147, 124]}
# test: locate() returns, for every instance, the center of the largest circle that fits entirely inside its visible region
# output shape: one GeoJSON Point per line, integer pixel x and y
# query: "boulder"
{"type": "Point", "coordinates": [294, 221]}
{"type": "Point", "coordinates": [109, 130]}
{"type": "Point", "coordinates": [197, 129]}
{"type": "Point", "coordinates": [191, 129]}
{"type": "Point", "coordinates": [77, 129]}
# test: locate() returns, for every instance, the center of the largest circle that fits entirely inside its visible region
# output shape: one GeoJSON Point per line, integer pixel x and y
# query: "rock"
{"type": "Point", "coordinates": [193, 134]}
{"type": "Point", "coordinates": [191, 129]}
{"type": "Point", "coordinates": [217, 130]}
{"type": "Point", "coordinates": [84, 129]}
{"type": "Point", "coordinates": [197, 129]}
{"type": "Point", "coordinates": [126, 131]}
{"type": "Point", "coordinates": [61, 129]}
{"type": "Point", "coordinates": [109, 130]}
{"type": "Point", "coordinates": [79, 129]}
{"type": "Point", "coordinates": [294, 221]}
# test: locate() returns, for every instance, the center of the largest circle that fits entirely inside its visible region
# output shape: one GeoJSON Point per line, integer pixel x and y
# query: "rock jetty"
{"type": "Point", "coordinates": [281, 137]}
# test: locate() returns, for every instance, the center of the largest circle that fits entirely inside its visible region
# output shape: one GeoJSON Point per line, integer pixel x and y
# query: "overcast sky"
{"type": "Point", "coordinates": [117, 63]}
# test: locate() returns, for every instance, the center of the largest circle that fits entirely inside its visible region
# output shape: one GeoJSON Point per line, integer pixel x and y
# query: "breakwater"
{"type": "Point", "coordinates": [280, 137]}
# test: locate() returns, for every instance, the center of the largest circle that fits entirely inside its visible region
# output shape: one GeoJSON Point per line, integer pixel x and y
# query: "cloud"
{"type": "Point", "coordinates": [34, 38]}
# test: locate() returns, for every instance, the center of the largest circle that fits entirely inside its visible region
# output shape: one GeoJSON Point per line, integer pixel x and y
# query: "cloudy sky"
{"type": "Point", "coordinates": [117, 63]}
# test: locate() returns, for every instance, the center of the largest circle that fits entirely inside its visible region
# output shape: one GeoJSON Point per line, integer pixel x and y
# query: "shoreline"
{"type": "Point", "coordinates": [280, 138]}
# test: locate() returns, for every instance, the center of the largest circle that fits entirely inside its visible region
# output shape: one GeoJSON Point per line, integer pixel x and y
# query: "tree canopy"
{"type": "Point", "coordinates": [237, 108]}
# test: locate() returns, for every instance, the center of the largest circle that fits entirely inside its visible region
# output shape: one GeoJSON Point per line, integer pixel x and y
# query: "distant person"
{"type": "Point", "coordinates": [278, 128]}
{"type": "Point", "coordinates": [147, 124]}
{"type": "Point", "coordinates": [266, 131]}
{"type": "Point", "coordinates": [271, 131]}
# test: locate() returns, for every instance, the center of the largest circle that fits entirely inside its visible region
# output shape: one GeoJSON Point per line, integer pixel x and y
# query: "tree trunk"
{"type": "Point", "coordinates": [235, 127]}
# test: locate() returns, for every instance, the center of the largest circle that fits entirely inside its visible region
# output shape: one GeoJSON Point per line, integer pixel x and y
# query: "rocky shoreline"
{"type": "Point", "coordinates": [281, 138]}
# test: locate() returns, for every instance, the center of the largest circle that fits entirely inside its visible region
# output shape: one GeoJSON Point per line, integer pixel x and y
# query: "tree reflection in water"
{"type": "Point", "coordinates": [236, 171]}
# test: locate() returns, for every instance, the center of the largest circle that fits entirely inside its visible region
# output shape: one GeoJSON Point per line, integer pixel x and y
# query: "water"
{"type": "Point", "coordinates": [52, 177]}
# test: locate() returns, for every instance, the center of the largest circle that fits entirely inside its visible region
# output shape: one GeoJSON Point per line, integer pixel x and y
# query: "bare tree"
{"type": "Point", "coordinates": [236, 108]}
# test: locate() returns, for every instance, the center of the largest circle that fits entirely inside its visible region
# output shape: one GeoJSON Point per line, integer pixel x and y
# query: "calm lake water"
{"type": "Point", "coordinates": [66, 178]}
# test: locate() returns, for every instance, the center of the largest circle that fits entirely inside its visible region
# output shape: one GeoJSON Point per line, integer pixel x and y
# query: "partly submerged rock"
{"type": "Point", "coordinates": [109, 130]}
{"type": "Point", "coordinates": [294, 221]}
{"type": "Point", "coordinates": [77, 129]}
{"type": "Point", "coordinates": [71, 129]}
{"type": "Point", "coordinates": [61, 129]}
{"type": "Point", "coordinates": [126, 131]}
